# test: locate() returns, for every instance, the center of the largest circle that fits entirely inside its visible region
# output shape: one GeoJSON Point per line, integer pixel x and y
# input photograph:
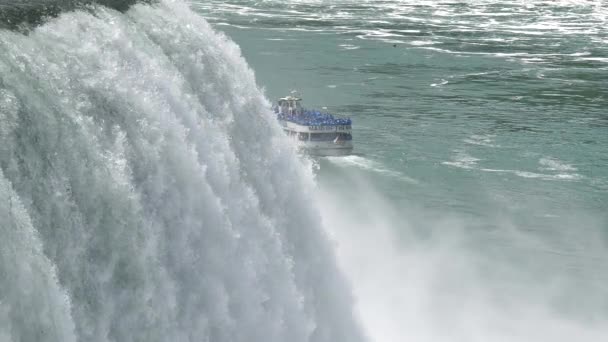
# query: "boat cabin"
{"type": "Point", "coordinates": [290, 105]}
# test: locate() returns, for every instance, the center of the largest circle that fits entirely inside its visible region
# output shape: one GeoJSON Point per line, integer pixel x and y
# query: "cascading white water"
{"type": "Point", "coordinates": [146, 193]}
{"type": "Point", "coordinates": [32, 304]}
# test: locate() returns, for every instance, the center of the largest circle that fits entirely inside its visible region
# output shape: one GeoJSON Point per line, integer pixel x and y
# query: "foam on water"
{"type": "Point", "coordinates": [552, 164]}
{"type": "Point", "coordinates": [422, 42]}
{"type": "Point", "coordinates": [369, 165]}
{"type": "Point", "coordinates": [349, 47]}
{"type": "Point", "coordinates": [462, 160]}
{"type": "Point", "coordinates": [481, 140]}
{"type": "Point", "coordinates": [536, 175]}
{"type": "Point", "coordinates": [558, 170]}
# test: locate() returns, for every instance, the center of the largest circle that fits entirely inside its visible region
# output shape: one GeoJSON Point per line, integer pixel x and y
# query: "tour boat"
{"type": "Point", "coordinates": [319, 134]}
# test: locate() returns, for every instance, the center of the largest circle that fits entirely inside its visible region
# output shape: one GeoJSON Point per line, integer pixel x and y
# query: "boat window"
{"type": "Point", "coordinates": [323, 136]}
{"type": "Point", "coordinates": [346, 136]}
{"type": "Point", "coordinates": [330, 136]}
{"type": "Point", "coordinates": [303, 136]}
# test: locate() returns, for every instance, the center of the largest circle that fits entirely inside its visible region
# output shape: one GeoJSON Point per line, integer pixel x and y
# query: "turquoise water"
{"type": "Point", "coordinates": [476, 206]}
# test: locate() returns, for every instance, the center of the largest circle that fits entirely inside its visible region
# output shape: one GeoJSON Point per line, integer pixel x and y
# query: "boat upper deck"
{"type": "Point", "coordinates": [290, 109]}
{"type": "Point", "coordinates": [307, 117]}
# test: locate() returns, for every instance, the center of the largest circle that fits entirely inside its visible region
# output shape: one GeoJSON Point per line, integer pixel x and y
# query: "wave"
{"type": "Point", "coordinates": [486, 140]}
{"type": "Point", "coordinates": [552, 164]}
{"type": "Point", "coordinates": [462, 160]}
{"type": "Point", "coordinates": [560, 170]}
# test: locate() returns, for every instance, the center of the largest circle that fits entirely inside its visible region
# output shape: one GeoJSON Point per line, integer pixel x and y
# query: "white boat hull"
{"type": "Point", "coordinates": [326, 149]}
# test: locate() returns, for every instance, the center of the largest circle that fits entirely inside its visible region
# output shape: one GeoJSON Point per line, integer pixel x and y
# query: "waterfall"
{"type": "Point", "coordinates": [147, 193]}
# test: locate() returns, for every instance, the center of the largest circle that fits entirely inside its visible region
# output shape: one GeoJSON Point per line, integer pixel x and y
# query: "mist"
{"type": "Point", "coordinates": [428, 275]}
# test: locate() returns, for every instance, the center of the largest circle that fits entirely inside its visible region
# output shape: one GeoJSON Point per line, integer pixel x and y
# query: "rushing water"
{"type": "Point", "coordinates": [476, 208]}
{"type": "Point", "coordinates": [148, 194]}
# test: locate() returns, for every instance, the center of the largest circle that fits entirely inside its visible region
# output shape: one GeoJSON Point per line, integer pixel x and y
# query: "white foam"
{"type": "Point", "coordinates": [536, 175]}
{"type": "Point", "coordinates": [462, 160]}
{"type": "Point", "coordinates": [561, 176]}
{"type": "Point", "coordinates": [481, 140]}
{"type": "Point", "coordinates": [349, 46]}
{"type": "Point", "coordinates": [594, 59]}
{"type": "Point", "coordinates": [465, 161]}
{"type": "Point", "coordinates": [442, 83]}
{"type": "Point", "coordinates": [369, 165]}
{"type": "Point", "coordinates": [422, 42]}
{"type": "Point", "coordinates": [552, 164]}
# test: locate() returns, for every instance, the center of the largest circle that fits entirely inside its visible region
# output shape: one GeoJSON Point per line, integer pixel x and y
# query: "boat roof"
{"type": "Point", "coordinates": [290, 98]}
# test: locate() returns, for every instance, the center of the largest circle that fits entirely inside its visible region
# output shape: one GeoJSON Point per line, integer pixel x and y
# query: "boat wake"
{"type": "Point", "coordinates": [369, 165]}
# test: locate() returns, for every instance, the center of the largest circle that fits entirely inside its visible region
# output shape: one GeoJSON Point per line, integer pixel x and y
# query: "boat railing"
{"type": "Point", "coordinates": [312, 118]}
